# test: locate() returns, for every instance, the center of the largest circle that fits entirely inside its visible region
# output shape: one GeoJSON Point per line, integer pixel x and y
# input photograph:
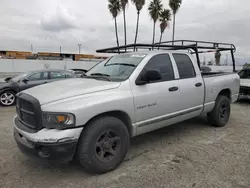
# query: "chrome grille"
{"type": "Point", "coordinates": [28, 112]}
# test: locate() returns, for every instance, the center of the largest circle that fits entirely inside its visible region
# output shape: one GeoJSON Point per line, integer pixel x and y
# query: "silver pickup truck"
{"type": "Point", "coordinates": [92, 119]}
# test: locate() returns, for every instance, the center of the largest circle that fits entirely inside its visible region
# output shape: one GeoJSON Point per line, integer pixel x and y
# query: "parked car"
{"type": "Point", "coordinates": [27, 80]}
{"type": "Point", "coordinates": [122, 97]}
{"type": "Point", "coordinates": [244, 82]}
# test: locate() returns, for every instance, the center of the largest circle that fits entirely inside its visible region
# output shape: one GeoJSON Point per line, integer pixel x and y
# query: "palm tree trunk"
{"type": "Point", "coordinates": [116, 32]}
{"type": "Point", "coordinates": [173, 29]}
{"type": "Point", "coordinates": [137, 25]}
{"type": "Point", "coordinates": [160, 40]}
{"type": "Point", "coordinates": [125, 28]}
{"type": "Point", "coordinates": [153, 36]}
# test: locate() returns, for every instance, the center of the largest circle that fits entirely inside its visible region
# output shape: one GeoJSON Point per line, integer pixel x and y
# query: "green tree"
{"type": "Point", "coordinates": [124, 4]}
{"type": "Point", "coordinates": [155, 8]}
{"type": "Point", "coordinates": [165, 17]}
{"type": "Point", "coordinates": [174, 5]}
{"type": "Point", "coordinates": [139, 5]}
{"type": "Point", "coordinates": [114, 7]}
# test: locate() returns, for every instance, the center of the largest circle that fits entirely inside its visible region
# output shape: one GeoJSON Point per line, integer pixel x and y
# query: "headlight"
{"type": "Point", "coordinates": [58, 120]}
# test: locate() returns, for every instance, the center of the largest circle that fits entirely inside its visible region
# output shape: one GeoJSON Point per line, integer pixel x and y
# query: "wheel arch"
{"type": "Point", "coordinates": [123, 116]}
{"type": "Point", "coordinates": [8, 89]}
{"type": "Point", "coordinates": [225, 92]}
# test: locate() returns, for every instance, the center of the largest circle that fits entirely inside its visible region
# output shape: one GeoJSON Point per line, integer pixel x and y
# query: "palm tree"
{"type": "Point", "coordinates": [155, 7]}
{"type": "Point", "coordinates": [114, 7]}
{"type": "Point", "coordinates": [123, 4]}
{"type": "Point", "coordinates": [165, 17]}
{"type": "Point", "coordinates": [174, 5]}
{"type": "Point", "coordinates": [138, 4]}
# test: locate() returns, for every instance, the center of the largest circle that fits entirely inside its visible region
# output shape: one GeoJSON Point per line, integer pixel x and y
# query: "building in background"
{"type": "Point", "coordinates": [48, 56]}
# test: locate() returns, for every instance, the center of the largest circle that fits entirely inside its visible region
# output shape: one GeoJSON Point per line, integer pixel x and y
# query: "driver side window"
{"type": "Point", "coordinates": [163, 64]}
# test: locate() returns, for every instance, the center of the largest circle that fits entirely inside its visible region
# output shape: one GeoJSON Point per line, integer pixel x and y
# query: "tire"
{"type": "Point", "coordinates": [11, 98]}
{"type": "Point", "coordinates": [220, 113]}
{"type": "Point", "coordinates": [100, 139]}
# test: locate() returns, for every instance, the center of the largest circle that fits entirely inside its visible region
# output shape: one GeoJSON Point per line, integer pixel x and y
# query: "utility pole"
{"type": "Point", "coordinates": [226, 59]}
{"type": "Point", "coordinates": [31, 47]}
{"type": "Point", "coordinates": [79, 45]}
{"type": "Point", "coordinates": [60, 49]}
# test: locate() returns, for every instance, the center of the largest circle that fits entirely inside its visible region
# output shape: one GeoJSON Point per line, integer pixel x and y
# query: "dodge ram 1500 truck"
{"type": "Point", "coordinates": [92, 119]}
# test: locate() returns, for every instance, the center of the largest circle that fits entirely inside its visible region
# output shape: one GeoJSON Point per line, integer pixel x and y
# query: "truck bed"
{"type": "Point", "coordinates": [213, 74]}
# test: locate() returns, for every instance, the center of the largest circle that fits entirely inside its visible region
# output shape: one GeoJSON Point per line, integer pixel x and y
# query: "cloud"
{"type": "Point", "coordinates": [58, 20]}
{"type": "Point", "coordinates": [49, 24]}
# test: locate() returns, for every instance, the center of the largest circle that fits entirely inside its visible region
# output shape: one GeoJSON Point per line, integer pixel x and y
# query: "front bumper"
{"type": "Point", "coordinates": [47, 144]}
{"type": "Point", "coordinates": [57, 152]}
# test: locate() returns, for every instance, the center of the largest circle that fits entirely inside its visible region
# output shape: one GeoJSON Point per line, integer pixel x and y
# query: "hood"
{"type": "Point", "coordinates": [59, 90]}
{"type": "Point", "coordinates": [245, 82]}
{"type": "Point", "coordinates": [5, 85]}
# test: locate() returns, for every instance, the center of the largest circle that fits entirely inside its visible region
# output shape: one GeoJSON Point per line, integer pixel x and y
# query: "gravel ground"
{"type": "Point", "coordinates": [189, 154]}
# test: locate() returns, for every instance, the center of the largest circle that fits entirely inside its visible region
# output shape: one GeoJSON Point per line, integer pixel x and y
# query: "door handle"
{"type": "Point", "coordinates": [45, 82]}
{"type": "Point", "coordinates": [173, 88]}
{"type": "Point", "coordinates": [198, 84]}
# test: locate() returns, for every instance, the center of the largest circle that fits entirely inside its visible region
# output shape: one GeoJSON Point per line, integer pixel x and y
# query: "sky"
{"type": "Point", "coordinates": [49, 24]}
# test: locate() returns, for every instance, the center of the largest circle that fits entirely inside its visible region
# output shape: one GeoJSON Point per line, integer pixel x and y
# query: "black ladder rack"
{"type": "Point", "coordinates": [196, 47]}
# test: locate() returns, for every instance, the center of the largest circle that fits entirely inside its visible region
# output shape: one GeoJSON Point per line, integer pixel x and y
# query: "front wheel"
{"type": "Point", "coordinates": [103, 145]}
{"type": "Point", "coordinates": [7, 98]}
{"type": "Point", "coordinates": [221, 112]}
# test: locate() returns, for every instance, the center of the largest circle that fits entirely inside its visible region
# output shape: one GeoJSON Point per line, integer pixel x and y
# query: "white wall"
{"type": "Point", "coordinates": [15, 65]}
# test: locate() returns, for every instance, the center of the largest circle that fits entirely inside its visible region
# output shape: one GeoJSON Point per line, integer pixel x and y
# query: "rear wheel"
{"type": "Point", "coordinates": [103, 145]}
{"type": "Point", "coordinates": [221, 112]}
{"type": "Point", "coordinates": [7, 98]}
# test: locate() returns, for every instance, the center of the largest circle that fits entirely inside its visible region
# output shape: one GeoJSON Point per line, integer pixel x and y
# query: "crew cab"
{"type": "Point", "coordinates": [91, 119]}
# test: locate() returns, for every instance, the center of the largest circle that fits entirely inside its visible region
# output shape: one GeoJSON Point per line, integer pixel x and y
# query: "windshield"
{"type": "Point", "coordinates": [117, 68]}
{"type": "Point", "coordinates": [19, 77]}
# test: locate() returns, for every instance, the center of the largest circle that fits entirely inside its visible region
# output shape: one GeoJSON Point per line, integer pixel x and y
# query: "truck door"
{"type": "Point", "coordinates": [154, 102]}
{"type": "Point", "coordinates": [190, 84]}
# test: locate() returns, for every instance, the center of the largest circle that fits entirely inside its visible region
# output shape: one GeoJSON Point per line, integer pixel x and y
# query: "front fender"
{"type": "Point", "coordinates": [7, 89]}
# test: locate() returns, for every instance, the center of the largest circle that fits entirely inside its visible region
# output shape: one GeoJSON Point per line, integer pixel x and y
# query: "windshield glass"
{"type": "Point", "coordinates": [19, 77]}
{"type": "Point", "coordinates": [117, 68]}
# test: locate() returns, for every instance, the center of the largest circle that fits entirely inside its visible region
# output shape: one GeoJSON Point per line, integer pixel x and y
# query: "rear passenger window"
{"type": "Point", "coordinates": [163, 64]}
{"type": "Point", "coordinates": [184, 65]}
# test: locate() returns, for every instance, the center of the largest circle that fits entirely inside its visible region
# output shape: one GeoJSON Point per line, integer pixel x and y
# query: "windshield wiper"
{"type": "Point", "coordinates": [97, 75]}
{"type": "Point", "coordinates": [125, 64]}
{"type": "Point", "coordinates": [101, 75]}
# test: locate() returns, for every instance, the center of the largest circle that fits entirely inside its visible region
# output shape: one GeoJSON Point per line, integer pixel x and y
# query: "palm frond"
{"type": "Point", "coordinates": [175, 5]}
{"type": "Point", "coordinates": [139, 4]}
{"type": "Point", "coordinates": [114, 7]}
{"type": "Point", "coordinates": [165, 15]}
{"type": "Point", "coordinates": [155, 7]}
{"type": "Point", "coordinates": [124, 4]}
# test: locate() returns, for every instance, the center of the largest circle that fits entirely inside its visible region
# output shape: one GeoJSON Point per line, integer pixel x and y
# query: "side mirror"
{"type": "Point", "coordinates": [7, 79]}
{"type": "Point", "coordinates": [25, 80]}
{"type": "Point", "coordinates": [148, 76]}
